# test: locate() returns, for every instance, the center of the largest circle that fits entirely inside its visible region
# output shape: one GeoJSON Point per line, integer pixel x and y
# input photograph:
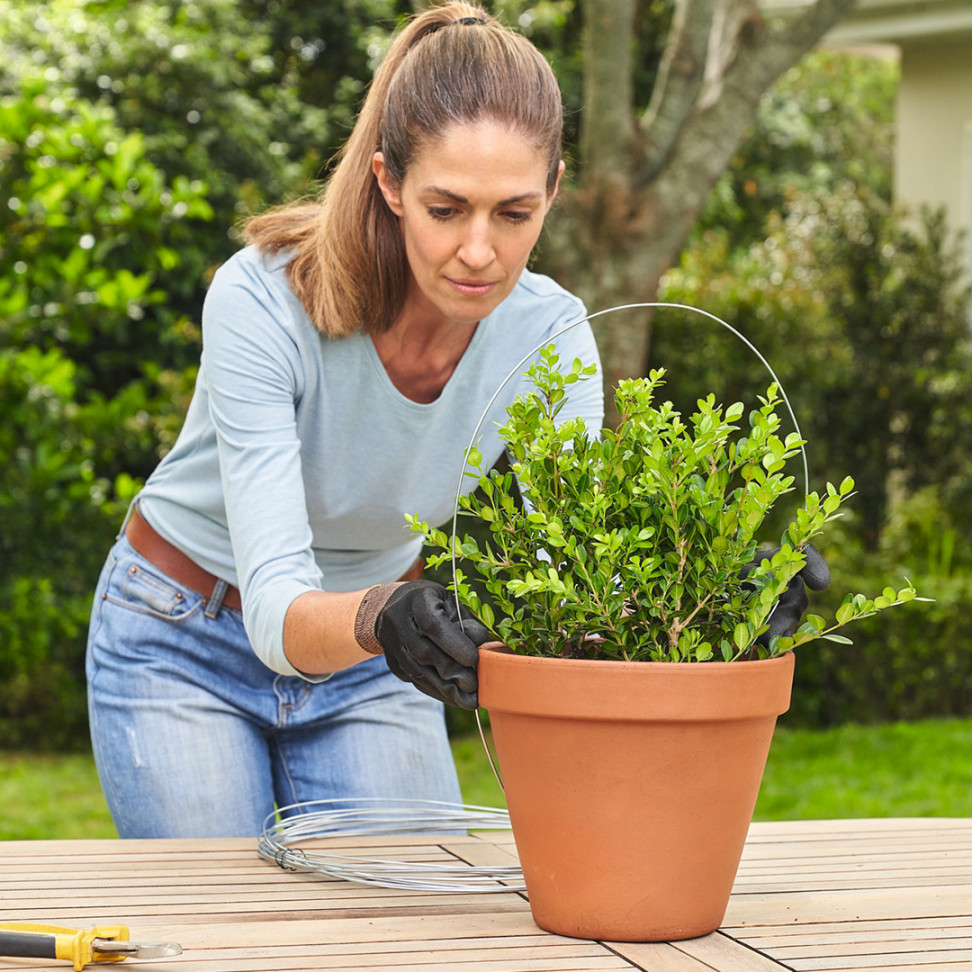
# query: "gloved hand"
{"type": "Point", "coordinates": [423, 642]}
{"type": "Point", "coordinates": [794, 601]}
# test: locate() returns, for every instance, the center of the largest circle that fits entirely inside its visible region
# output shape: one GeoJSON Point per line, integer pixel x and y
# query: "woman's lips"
{"type": "Point", "coordinates": [472, 288]}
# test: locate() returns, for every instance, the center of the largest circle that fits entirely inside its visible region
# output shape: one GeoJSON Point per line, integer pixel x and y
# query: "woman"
{"type": "Point", "coordinates": [260, 628]}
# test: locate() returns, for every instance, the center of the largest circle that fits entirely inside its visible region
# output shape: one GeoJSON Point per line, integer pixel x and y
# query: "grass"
{"type": "Point", "coordinates": [903, 769]}
{"type": "Point", "coordinates": [51, 796]}
{"type": "Point", "coordinates": [919, 769]}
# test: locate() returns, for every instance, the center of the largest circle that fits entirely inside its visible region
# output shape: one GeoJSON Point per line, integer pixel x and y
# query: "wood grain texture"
{"type": "Point", "coordinates": [810, 896]}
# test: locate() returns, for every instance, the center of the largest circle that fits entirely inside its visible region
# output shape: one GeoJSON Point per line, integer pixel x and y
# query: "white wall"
{"type": "Point", "coordinates": [934, 153]}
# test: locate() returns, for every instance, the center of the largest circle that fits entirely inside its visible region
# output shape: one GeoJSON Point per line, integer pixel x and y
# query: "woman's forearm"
{"type": "Point", "coordinates": [318, 633]}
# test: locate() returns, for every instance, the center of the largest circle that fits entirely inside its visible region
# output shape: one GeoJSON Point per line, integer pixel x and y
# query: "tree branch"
{"type": "Point", "coordinates": [737, 50]}
{"type": "Point", "coordinates": [774, 50]}
{"type": "Point", "coordinates": [734, 22]}
{"type": "Point", "coordinates": [679, 82]}
{"type": "Point", "coordinates": [754, 55]}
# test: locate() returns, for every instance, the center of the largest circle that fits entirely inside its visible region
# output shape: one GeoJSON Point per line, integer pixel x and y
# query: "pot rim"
{"type": "Point", "coordinates": [602, 690]}
{"type": "Point", "coordinates": [498, 648]}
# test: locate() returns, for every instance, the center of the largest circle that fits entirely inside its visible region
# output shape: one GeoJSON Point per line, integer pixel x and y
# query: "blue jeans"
{"type": "Point", "coordinates": [195, 737]}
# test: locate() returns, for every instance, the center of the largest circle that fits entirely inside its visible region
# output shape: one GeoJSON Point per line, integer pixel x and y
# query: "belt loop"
{"type": "Point", "coordinates": [215, 600]}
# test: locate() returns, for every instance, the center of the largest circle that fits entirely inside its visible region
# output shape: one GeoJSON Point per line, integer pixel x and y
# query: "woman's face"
{"type": "Point", "coordinates": [471, 207]}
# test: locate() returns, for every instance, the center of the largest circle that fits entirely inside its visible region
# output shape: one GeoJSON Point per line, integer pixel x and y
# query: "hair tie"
{"type": "Point", "coordinates": [462, 21]}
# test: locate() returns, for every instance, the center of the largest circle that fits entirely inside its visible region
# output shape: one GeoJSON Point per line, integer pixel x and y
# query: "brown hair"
{"type": "Point", "coordinates": [450, 64]}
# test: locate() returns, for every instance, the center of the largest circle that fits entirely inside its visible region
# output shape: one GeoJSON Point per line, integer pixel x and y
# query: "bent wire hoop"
{"type": "Point", "coordinates": [517, 370]}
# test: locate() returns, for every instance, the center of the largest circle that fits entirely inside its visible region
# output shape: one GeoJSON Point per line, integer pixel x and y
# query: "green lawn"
{"type": "Point", "coordinates": [51, 796]}
{"type": "Point", "coordinates": [896, 770]}
{"type": "Point", "coordinates": [916, 769]}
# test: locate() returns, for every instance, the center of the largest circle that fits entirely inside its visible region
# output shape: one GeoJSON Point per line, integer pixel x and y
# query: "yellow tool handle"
{"type": "Point", "coordinates": [73, 944]}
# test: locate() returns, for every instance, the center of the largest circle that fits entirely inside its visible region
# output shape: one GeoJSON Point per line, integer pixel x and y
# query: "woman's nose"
{"type": "Point", "coordinates": [476, 250]}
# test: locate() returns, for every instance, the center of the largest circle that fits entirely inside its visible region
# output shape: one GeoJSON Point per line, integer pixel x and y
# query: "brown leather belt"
{"type": "Point", "coordinates": [172, 561]}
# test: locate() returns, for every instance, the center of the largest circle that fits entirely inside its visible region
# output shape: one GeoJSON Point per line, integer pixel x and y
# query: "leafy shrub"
{"type": "Point", "coordinates": [863, 316]}
{"type": "Point", "coordinates": [860, 310]}
{"type": "Point", "coordinates": [93, 233]}
{"type": "Point", "coordinates": [637, 542]}
{"type": "Point", "coordinates": [914, 665]}
{"type": "Point", "coordinates": [58, 517]}
{"type": "Point", "coordinates": [132, 136]}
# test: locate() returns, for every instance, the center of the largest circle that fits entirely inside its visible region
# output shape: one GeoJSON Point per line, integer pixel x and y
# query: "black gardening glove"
{"type": "Point", "coordinates": [794, 601]}
{"type": "Point", "coordinates": [423, 642]}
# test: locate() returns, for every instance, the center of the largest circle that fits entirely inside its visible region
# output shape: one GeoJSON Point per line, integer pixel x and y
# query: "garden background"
{"type": "Point", "coordinates": [135, 135]}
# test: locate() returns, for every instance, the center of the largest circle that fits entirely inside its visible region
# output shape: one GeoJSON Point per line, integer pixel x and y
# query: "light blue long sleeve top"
{"type": "Point", "coordinates": [299, 458]}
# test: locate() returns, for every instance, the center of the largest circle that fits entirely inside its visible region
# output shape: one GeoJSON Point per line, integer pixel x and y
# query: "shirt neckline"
{"type": "Point", "coordinates": [454, 378]}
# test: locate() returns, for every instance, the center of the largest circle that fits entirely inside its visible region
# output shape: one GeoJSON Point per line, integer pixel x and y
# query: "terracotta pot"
{"type": "Point", "coordinates": [631, 785]}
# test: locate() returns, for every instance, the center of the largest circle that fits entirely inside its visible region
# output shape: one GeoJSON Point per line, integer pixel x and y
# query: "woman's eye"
{"type": "Point", "coordinates": [449, 212]}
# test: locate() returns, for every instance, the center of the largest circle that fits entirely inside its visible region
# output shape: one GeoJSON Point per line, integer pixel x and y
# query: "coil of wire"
{"type": "Point", "coordinates": [293, 825]}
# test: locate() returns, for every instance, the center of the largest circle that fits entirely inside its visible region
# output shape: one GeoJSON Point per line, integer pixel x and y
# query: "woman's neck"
{"type": "Point", "coordinates": [420, 354]}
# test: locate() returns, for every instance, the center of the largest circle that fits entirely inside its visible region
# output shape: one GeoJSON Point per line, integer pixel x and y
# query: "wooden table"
{"type": "Point", "coordinates": [888, 895]}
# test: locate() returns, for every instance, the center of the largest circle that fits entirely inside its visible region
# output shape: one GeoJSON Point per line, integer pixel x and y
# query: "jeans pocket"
{"type": "Point", "coordinates": [149, 591]}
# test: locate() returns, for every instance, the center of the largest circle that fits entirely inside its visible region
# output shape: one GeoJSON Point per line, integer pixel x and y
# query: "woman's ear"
{"type": "Point", "coordinates": [390, 189]}
{"type": "Point", "coordinates": [553, 193]}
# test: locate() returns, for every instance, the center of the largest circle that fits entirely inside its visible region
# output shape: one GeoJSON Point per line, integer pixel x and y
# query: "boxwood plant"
{"type": "Point", "coordinates": [633, 543]}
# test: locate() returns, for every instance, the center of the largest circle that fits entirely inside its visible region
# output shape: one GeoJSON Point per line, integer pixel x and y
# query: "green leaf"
{"type": "Point", "coordinates": [845, 613]}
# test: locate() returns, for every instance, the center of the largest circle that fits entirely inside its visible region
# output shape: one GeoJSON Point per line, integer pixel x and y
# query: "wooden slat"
{"type": "Point", "coordinates": [858, 846]}
{"type": "Point", "coordinates": [829, 863]}
{"type": "Point", "coordinates": [660, 957]}
{"type": "Point", "coordinates": [269, 898]}
{"type": "Point", "coordinates": [849, 905]}
{"type": "Point", "coordinates": [871, 878]}
{"type": "Point", "coordinates": [881, 896]}
{"type": "Point", "coordinates": [922, 966]}
{"type": "Point", "coordinates": [900, 960]}
{"type": "Point", "coordinates": [428, 962]}
{"type": "Point", "coordinates": [931, 930]}
{"type": "Point", "coordinates": [790, 830]}
{"type": "Point", "coordinates": [411, 953]}
{"type": "Point", "coordinates": [715, 951]}
{"type": "Point", "coordinates": [932, 947]}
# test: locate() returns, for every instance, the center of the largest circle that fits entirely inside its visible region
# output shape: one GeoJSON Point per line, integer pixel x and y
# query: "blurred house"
{"type": "Point", "coordinates": [933, 155]}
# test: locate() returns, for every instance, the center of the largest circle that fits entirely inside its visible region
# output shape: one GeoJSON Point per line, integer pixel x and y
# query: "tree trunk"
{"type": "Point", "coordinates": [642, 181]}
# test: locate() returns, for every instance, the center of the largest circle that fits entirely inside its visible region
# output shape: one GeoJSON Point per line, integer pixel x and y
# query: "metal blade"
{"type": "Point", "coordinates": [142, 950]}
{"type": "Point", "coordinates": [150, 950]}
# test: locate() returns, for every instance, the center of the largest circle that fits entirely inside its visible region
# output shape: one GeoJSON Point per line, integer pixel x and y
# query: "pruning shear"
{"type": "Point", "coordinates": [105, 943]}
